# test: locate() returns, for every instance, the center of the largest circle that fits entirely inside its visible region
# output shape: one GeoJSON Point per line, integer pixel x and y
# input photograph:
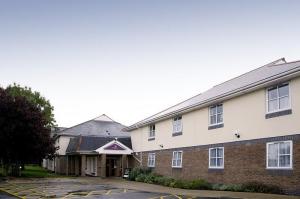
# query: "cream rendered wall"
{"type": "Point", "coordinates": [62, 142]}
{"type": "Point", "coordinates": [244, 115]}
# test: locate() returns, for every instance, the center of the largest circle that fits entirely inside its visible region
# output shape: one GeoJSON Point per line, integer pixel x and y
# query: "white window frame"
{"type": "Point", "coordinates": [175, 121]}
{"type": "Point", "coordinates": [291, 155]}
{"type": "Point", "coordinates": [151, 156]}
{"type": "Point", "coordinates": [177, 166]}
{"type": "Point", "coordinates": [209, 157]}
{"type": "Point", "coordinates": [277, 88]}
{"type": "Point", "coordinates": [151, 133]}
{"type": "Point", "coordinates": [209, 115]}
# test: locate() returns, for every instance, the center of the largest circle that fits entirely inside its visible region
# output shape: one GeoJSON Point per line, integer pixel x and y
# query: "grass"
{"type": "Point", "coordinates": [35, 171]}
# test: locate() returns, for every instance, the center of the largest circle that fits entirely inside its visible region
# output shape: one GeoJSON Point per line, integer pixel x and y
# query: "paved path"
{"type": "Point", "coordinates": [91, 188]}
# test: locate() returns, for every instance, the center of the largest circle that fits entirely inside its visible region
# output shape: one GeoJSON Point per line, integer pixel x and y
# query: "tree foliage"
{"type": "Point", "coordinates": [36, 99]}
{"type": "Point", "coordinates": [24, 135]}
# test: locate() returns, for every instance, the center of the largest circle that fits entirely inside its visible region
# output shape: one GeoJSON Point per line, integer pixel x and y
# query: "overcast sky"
{"type": "Point", "coordinates": [131, 59]}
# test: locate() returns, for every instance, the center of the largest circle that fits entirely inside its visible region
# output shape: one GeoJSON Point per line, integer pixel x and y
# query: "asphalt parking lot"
{"type": "Point", "coordinates": [112, 188]}
{"type": "Point", "coordinates": [77, 188]}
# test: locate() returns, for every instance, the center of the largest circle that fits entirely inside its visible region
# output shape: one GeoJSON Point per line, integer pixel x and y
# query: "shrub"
{"type": "Point", "coordinates": [199, 184]}
{"type": "Point", "coordinates": [229, 187]}
{"type": "Point", "coordinates": [177, 184]}
{"type": "Point", "coordinates": [141, 177]}
{"type": "Point", "coordinates": [137, 171]}
{"type": "Point", "coordinates": [260, 187]}
{"type": "Point", "coordinates": [166, 181]}
{"type": "Point", "coordinates": [150, 178]}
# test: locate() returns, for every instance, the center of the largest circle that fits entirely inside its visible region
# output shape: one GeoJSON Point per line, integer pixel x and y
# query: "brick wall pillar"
{"type": "Point", "coordinates": [103, 165]}
{"type": "Point", "coordinates": [83, 165]}
{"type": "Point", "coordinates": [76, 162]}
{"type": "Point", "coordinates": [67, 165]}
{"type": "Point", "coordinates": [124, 163]}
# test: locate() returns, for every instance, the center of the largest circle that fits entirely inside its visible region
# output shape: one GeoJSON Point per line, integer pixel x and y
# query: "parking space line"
{"type": "Point", "coordinates": [177, 196]}
{"type": "Point", "coordinates": [108, 192]}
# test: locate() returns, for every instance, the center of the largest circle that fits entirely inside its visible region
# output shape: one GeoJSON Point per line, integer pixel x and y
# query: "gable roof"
{"type": "Point", "coordinates": [100, 126]}
{"type": "Point", "coordinates": [261, 77]}
{"type": "Point", "coordinates": [89, 144]}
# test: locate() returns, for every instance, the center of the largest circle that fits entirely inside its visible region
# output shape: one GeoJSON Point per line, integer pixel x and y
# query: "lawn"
{"type": "Point", "coordinates": [35, 171]}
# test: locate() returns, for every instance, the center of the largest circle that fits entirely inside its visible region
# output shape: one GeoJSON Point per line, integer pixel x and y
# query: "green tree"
{"type": "Point", "coordinates": [36, 99]}
{"type": "Point", "coordinates": [24, 137]}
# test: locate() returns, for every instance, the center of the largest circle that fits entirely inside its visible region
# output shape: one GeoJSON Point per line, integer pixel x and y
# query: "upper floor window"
{"type": "Point", "coordinates": [151, 131]}
{"type": "Point", "coordinates": [279, 155]}
{"type": "Point", "coordinates": [177, 124]}
{"type": "Point", "coordinates": [177, 159]}
{"type": "Point", "coordinates": [216, 114]}
{"type": "Point", "coordinates": [151, 159]}
{"type": "Point", "coordinates": [216, 158]}
{"type": "Point", "coordinates": [278, 98]}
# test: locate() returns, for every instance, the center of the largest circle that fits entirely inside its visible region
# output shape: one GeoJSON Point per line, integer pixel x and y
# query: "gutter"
{"type": "Point", "coordinates": [284, 76]}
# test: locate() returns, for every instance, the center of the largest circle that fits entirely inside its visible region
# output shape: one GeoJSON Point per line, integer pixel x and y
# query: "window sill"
{"type": "Point", "coordinates": [279, 168]}
{"type": "Point", "coordinates": [174, 167]}
{"type": "Point", "coordinates": [176, 134]}
{"type": "Point", "coordinates": [278, 113]}
{"type": "Point", "coordinates": [280, 172]}
{"type": "Point", "coordinates": [216, 126]}
{"type": "Point", "coordinates": [215, 170]}
{"type": "Point", "coordinates": [150, 139]}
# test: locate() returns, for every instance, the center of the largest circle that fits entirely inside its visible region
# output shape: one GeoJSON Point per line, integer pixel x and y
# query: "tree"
{"type": "Point", "coordinates": [36, 99]}
{"type": "Point", "coordinates": [24, 135]}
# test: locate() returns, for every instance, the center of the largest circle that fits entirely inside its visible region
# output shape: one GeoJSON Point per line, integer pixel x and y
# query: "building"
{"type": "Point", "coordinates": [98, 147]}
{"type": "Point", "coordinates": [245, 129]}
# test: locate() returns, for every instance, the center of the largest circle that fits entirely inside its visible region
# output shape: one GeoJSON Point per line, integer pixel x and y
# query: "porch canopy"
{"type": "Point", "coordinates": [98, 156]}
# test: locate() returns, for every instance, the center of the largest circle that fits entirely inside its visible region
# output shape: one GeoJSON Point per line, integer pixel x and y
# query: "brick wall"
{"type": "Point", "coordinates": [244, 161]}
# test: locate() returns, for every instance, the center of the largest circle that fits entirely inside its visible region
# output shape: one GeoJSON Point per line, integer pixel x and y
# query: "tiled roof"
{"type": "Point", "coordinates": [91, 143]}
{"type": "Point", "coordinates": [100, 126]}
{"type": "Point", "coordinates": [274, 70]}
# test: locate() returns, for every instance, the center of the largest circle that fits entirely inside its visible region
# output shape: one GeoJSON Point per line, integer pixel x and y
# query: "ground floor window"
{"type": "Point", "coordinates": [279, 155]}
{"type": "Point", "coordinates": [151, 159]}
{"type": "Point", "coordinates": [216, 158]}
{"type": "Point", "coordinates": [177, 159]}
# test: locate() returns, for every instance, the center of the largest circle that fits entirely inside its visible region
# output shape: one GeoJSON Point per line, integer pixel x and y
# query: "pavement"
{"type": "Point", "coordinates": [93, 187]}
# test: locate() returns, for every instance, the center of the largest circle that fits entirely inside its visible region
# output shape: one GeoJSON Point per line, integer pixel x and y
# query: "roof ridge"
{"type": "Point", "coordinates": [268, 64]}
{"type": "Point", "coordinates": [67, 128]}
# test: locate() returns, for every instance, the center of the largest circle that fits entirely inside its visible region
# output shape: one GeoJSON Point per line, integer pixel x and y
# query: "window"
{"type": "Point", "coordinates": [216, 114]}
{"type": "Point", "coordinates": [177, 124]}
{"type": "Point", "coordinates": [216, 158]}
{"type": "Point", "coordinates": [151, 159]}
{"type": "Point", "coordinates": [177, 159]}
{"type": "Point", "coordinates": [279, 155]}
{"type": "Point", "coordinates": [152, 131]}
{"type": "Point", "coordinates": [278, 98]}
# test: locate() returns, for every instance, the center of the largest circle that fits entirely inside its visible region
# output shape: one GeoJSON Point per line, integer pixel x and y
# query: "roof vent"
{"type": "Point", "coordinates": [277, 62]}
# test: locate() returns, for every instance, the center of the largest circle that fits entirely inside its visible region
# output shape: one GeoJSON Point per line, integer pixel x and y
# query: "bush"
{"type": "Point", "coordinates": [145, 175]}
{"type": "Point", "coordinates": [141, 177]}
{"type": "Point", "coordinates": [150, 178]}
{"type": "Point", "coordinates": [229, 187]}
{"type": "Point", "coordinates": [135, 172]}
{"type": "Point", "coordinates": [179, 184]}
{"type": "Point", "coordinates": [260, 188]}
{"type": "Point", "coordinates": [200, 184]}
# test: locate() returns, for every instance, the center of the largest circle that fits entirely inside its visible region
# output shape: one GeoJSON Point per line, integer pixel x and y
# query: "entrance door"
{"type": "Point", "coordinates": [113, 166]}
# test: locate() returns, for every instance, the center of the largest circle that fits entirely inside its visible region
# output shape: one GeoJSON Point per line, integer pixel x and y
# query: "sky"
{"type": "Point", "coordinates": [130, 59]}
